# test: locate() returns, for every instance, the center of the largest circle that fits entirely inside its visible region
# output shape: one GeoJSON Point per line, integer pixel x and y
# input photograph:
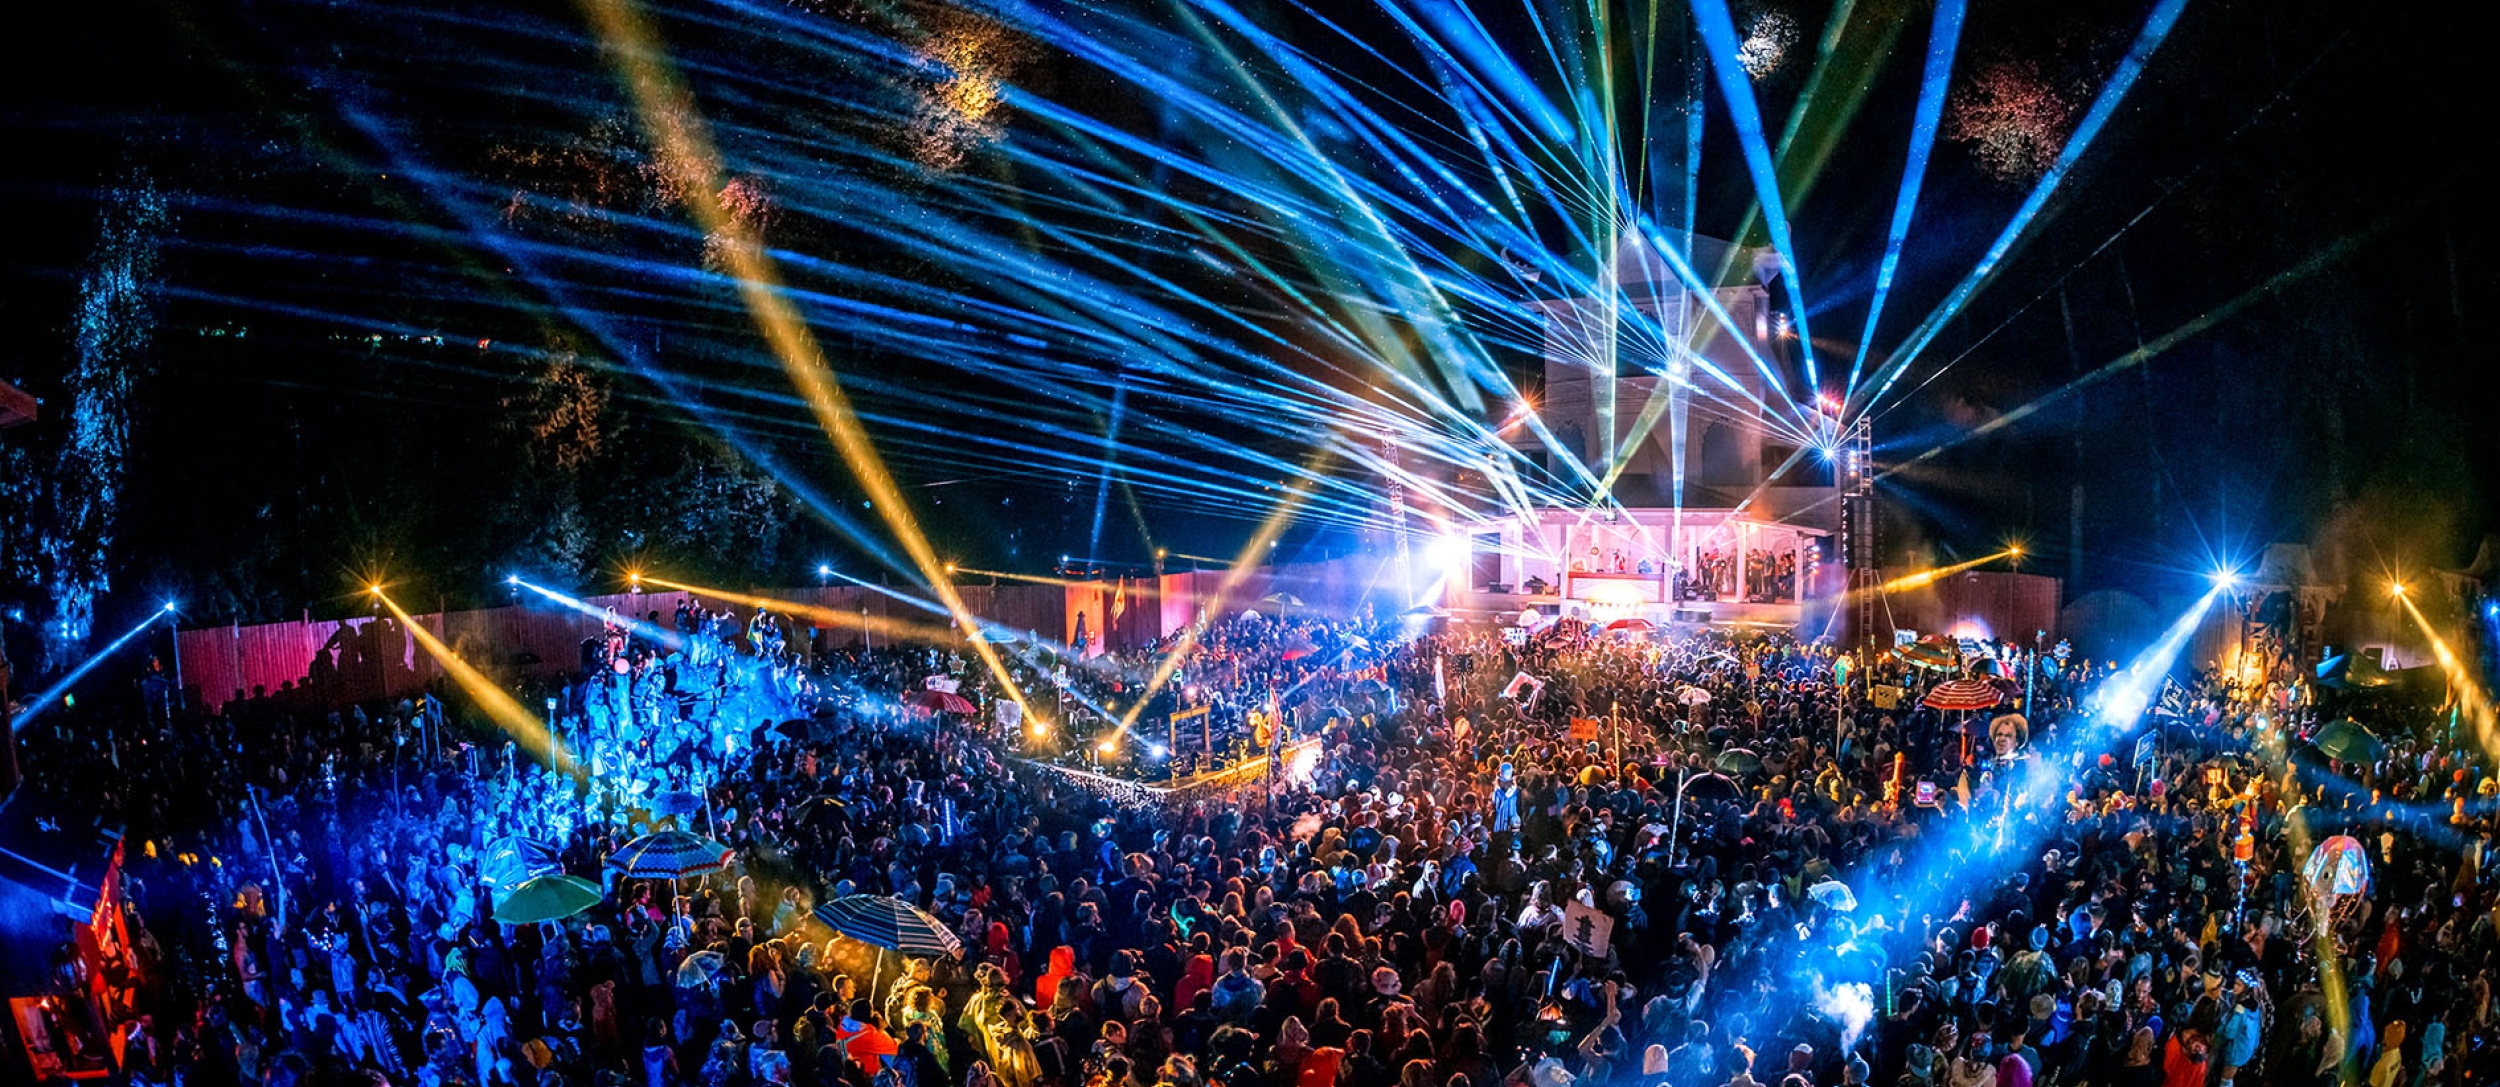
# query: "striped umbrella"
{"type": "Point", "coordinates": [889, 923]}
{"type": "Point", "coordinates": [1963, 694]}
{"type": "Point", "coordinates": [670, 854]}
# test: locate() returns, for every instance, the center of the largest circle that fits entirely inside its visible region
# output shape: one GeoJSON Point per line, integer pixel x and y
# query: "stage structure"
{"type": "Point", "coordinates": [1719, 504]}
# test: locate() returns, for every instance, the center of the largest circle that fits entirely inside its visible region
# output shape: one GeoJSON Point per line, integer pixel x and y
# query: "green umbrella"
{"type": "Point", "coordinates": [547, 898]}
{"type": "Point", "coordinates": [2345, 741]}
{"type": "Point", "coordinates": [1737, 760]}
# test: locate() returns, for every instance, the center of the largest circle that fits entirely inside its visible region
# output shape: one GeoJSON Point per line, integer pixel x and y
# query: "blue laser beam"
{"type": "Point", "coordinates": [52, 695]}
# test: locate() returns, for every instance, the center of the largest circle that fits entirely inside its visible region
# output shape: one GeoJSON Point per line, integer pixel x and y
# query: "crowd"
{"type": "Point", "coordinates": [1695, 860]}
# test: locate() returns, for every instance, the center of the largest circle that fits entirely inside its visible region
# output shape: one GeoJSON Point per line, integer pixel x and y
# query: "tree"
{"type": "Point", "coordinates": [63, 501]}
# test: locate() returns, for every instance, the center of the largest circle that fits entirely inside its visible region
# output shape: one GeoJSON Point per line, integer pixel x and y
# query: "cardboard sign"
{"type": "Point", "coordinates": [1584, 728]}
{"type": "Point", "coordinates": [948, 684]}
{"type": "Point", "coordinates": [1587, 928]}
{"type": "Point", "coordinates": [1885, 696]}
{"type": "Point", "coordinates": [1926, 794]}
{"type": "Point", "coordinates": [1007, 713]}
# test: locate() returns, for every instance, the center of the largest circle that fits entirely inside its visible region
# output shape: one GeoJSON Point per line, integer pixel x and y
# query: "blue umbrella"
{"type": "Point", "coordinates": [889, 923]}
{"type": "Point", "coordinates": [670, 854]}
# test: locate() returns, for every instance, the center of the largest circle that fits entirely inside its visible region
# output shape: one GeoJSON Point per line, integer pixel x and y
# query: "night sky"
{"type": "Point", "coordinates": [348, 372]}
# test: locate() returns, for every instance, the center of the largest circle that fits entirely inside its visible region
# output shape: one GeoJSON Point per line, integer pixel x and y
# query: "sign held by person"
{"type": "Point", "coordinates": [1587, 928]}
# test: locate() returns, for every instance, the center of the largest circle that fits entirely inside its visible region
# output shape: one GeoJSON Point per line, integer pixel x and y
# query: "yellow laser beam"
{"type": "Point", "coordinates": [500, 706]}
{"type": "Point", "coordinates": [2470, 694]}
{"type": "Point", "coordinates": [686, 153]}
{"type": "Point", "coordinates": [1252, 554]}
{"type": "Point", "coordinates": [884, 626]}
{"type": "Point", "coordinates": [1931, 576]}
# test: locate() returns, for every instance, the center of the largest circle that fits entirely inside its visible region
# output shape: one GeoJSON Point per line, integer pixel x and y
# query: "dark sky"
{"type": "Point", "coordinates": [2287, 209]}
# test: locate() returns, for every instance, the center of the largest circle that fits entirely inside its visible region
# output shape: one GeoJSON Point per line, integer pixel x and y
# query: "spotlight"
{"type": "Point", "coordinates": [2395, 588]}
{"type": "Point", "coordinates": [374, 589]}
{"type": "Point", "coordinates": [823, 570]}
{"type": "Point", "coordinates": [1158, 750]}
{"type": "Point", "coordinates": [1447, 552]}
{"type": "Point", "coordinates": [512, 579]}
{"type": "Point", "coordinates": [1828, 452]}
{"type": "Point", "coordinates": [2226, 579]}
{"type": "Point", "coordinates": [1107, 746]}
{"type": "Point", "coordinates": [2014, 551]}
{"type": "Point", "coordinates": [169, 607]}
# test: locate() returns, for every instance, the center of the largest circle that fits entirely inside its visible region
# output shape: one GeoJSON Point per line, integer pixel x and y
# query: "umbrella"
{"type": "Point", "coordinates": [2338, 866]}
{"type": "Point", "coordinates": [1635, 626]}
{"type": "Point", "coordinates": [1704, 786]}
{"type": "Point", "coordinates": [889, 923]}
{"type": "Point", "coordinates": [2345, 670]}
{"type": "Point", "coordinates": [1834, 895]}
{"type": "Point", "coordinates": [1282, 600]}
{"type": "Point", "coordinates": [1252, 614]}
{"type": "Point", "coordinates": [547, 898]}
{"type": "Point", "coordinates": [1932, 651]}
{"type": "Point", "coordinates": [796, 728]}
{"type": "Point", "coordinates": [676, 803]}
{"type": "Point", "coordinates": [1963, 694]}
{"type": "Point", "coordinates": [941, 701]}
{"type": "Point", "coordinates": [1692, 696]}
{"type": "Point", "coordinates": [1298, 650]}
{"type": "Point", "coordinates": [700, 967]}
{"type": "Point", "coordinates": [1369, 686]}
{"type": "Point", "coordinates": [1426, 611]}
{"type": "Point", "coordinates": [1738, 760]}
{"type": "Point", "coordinates": [512, 860]}
{"type": "Point", "coordinates": [2347, 741]}
{"type": "Point", "coordinates": [818, 807]}
{"type": "Point", "coordinates": [669, 854]}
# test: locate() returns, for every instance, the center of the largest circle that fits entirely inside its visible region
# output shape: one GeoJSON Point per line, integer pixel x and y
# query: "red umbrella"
{"type": "Point", "coordinates": [941, 701]}
{"type": "Point", "coordinates": [1963, 694]}
{"type": "Point", "coordinates": [1642, 626]}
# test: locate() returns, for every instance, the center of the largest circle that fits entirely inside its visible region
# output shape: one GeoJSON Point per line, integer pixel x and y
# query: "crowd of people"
{"type": "Point", "coordinates": [1534, 859]}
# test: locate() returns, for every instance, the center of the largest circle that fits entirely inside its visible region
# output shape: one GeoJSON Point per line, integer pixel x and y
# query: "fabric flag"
{"type": "Point", "coordinates": [948, 684]}
{"type": "Point", "coordinates": [1119, 600]}
{"type": "Point", "coordinates": [1440, 681]}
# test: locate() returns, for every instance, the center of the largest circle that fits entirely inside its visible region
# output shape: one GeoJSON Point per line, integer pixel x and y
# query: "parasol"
{"type": "Point", "coordinates": [1369, 686]}
{"type": "Point", "coordinates": [890, 924]}
{"type": "Point", "coordinates": [818, 807]}
{"type": "Point", "coordinates": [940, 701]}
{"type": "Point", "coordinates": [669, 854]}
{"type": "Point", "coordinates": [2338, 866]}
{"type": "Point", "coordinates": [1252, 615]}
{"type": "Point", "coordinates": [1426, 611]}
{"type": "Point", "coordinates": [1834, 895]}
{"type": "Point", "coordinates": [2347, 741]}
{"type": "Point", "coordinates": [1963, 694]}
{"type": "Point", "coordinates": [547, 898]}
{"type": "Point", "coordinates": [1692, 696]}
{"type": "Point", "coordinates": [1704, 786]}
{"type": "Point", "coordinates": [676, 803]}
{"type": "Point", "coordinates": [1738, 760]}
{"type": "Point", "coordinates": [700, 968]}
{"type": "Point", "coordinates": [1632, 626]}
{"type": "Point", "coordinates": [1298, 650]}
{"type": "Point", "coordinates": [1932, 651]}
{"type": "Point", "coordinates": [512, 860]}
{"type": "Point", "coordinates": [1282, 600]}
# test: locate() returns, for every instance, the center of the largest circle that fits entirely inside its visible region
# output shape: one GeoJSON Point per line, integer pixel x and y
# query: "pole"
{"type": "Point", "coordinates": [2032, 672]}
{"type": "Point", "coordinates": [180, 702]}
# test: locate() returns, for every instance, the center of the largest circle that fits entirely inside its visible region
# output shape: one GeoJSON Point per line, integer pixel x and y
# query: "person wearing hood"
{"type": "Point", "coordinates": [1062, 965]}
{"type": "Point", "coordinates": [1120, 995]}
{"type": "Point", "coordinates": [1237, 995]}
